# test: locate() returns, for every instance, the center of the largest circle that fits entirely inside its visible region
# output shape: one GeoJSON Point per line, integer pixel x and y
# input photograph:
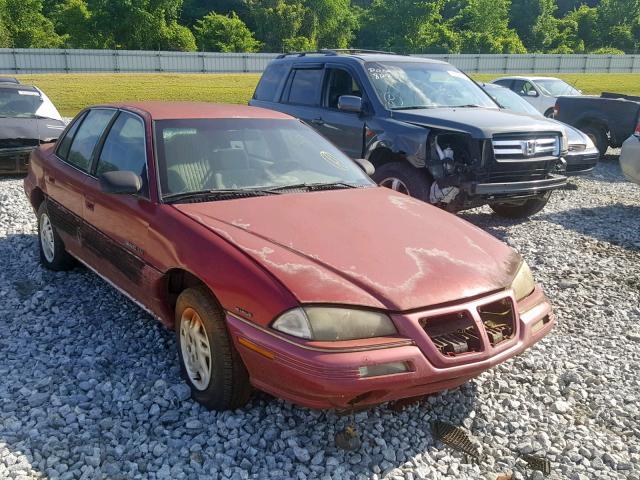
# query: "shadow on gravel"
{"type": "Point", "coordinates": [91, 389]}
{"type": "Point", "coordinates": [616, 224]}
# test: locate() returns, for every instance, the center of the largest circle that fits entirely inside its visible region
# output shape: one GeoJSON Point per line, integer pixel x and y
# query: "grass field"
{"type": "Point", "coordinates": [72, 92]}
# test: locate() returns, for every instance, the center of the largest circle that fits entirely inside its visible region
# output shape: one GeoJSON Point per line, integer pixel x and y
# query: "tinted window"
{"type": "Point", "coordinates": [305, 87]}
{"type": "Point", "coordinates": [124, 148]}
{"type": "Point", "coordinates": [65, 143]}
{"type": "Point", "coordinates": [504, 82]}
{"type": "Point", "coordinates": [266, 89]}
{"type": "Point", "coordinates": [87, 137]}
{"type": "Point", "coordinates": [521, 87]}
{"type": "Point", "coordinates": [340, 83]}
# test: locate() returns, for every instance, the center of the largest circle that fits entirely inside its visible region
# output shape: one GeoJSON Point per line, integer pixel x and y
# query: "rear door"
{"type": "Point", "coordinates": [344, 129]}
{"type": "Point", "coordinates": [117, 235]}
{"type": "Point", "coordinates": [69, 174]}
{"type": "Point", "coordinates": [301, 94]}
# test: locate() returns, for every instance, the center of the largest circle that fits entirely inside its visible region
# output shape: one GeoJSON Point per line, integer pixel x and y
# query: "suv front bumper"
{"type": "Point", "coordinates": [530, 187]}
{"type": "Point", "coordinates": [330, 377]}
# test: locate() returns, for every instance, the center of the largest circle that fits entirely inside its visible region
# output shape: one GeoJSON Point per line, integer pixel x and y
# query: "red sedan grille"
{"type": "Point", "coordinates": [458, 333]}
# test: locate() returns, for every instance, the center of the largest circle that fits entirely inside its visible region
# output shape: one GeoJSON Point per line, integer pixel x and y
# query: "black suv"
{"type": "Point", "coordinates": [429, 130]}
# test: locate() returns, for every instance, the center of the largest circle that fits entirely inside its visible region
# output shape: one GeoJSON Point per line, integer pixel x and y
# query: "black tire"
{"type": "Point", "coordinates": [57, 258]}
{"type": "Point", "coordinates": [228, 386]}
{"type": "Point", "coordinates": [416, 182]}
{"type": "Point", "coordinates": [598, 135]}
{"type": "Point", "coordinates": [550, 113]}
{"type": "Point", "coordinates": [526, 209]}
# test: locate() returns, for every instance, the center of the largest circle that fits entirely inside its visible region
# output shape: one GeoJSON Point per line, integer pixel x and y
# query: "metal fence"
{"type": "Point", "coordinates": [17, 61]}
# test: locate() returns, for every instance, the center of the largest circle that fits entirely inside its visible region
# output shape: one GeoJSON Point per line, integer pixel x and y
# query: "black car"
{"type": "Point", "coordinates": [608, 119]}
{"type": "Point", "coordinates": [582, 155]}
{"type": "Point", "coordinates": [429, 130]}
{"type": "Point", "coordinates": [27, 119]}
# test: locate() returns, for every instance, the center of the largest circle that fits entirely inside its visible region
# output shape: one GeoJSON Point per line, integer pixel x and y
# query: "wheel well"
{"type": "Point", "coordinates": [36, 198]}
{"type": "Point", "coordinates": [176, 281]}
{"type": "Point", "coordinates": [383, 155]}
{"type": "Point", "coordinates": [593, 122]}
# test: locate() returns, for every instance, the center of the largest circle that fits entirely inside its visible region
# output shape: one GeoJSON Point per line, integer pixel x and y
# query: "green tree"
{"type": "Point", "coordinates": [619, 22]}
{"type": "Point", "coordinates": [193, 10]}
{"type": "Point", "coordinates": [278, 23]}
{"type": "Point", "coordinates": [26, 27]}
{"type": "Point", "coordinates": [484, 28]}
{"type": "Point", "coordinates": [72, 21]}
{"type": "Point", "coordinates": [224, 33]}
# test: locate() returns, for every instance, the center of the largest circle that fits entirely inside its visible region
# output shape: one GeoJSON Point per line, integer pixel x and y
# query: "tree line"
{"type": "Point", "coordinates": [404, 26]}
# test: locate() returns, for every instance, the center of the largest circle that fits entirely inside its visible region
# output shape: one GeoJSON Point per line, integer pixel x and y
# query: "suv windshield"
{"type": "Point", "coordinates": [556, 87]}
{"type": "Point", "coordinates": [410, 85]}
{"type": "Point", "coordinates": [25, 102]}
{"type": "Point", "coordinates": [248, 156]}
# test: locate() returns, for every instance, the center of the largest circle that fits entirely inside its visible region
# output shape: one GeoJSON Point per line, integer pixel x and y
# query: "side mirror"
{"type": "Point", "coordinates": [122, 182]}
{"type": "Point", "coordinates": [366, 166]}
{"type": "Point", "coordinates": [532, 93]}
{"type": "Point", "coordinates": [350, 103]}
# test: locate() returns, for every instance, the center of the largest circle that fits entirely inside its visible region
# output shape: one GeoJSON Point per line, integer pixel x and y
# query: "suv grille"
{"type": "Point", "coordinates": [526, 148]}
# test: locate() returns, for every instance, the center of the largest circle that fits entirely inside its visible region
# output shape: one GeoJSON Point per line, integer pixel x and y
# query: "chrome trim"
{"type": "Point", "coordinates": [526, 149]}
{"type": "Point", "coordinates": [401, 343]}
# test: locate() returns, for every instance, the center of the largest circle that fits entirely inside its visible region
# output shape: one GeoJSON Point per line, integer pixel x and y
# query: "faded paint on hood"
{"type": "Point", "coordinates": [370, 247]}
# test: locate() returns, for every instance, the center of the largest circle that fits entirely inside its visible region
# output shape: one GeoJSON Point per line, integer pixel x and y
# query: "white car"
{"type": "Point", "coordinates": [630, 157]}
{"type": "Point", "coordinates": [541, 92]}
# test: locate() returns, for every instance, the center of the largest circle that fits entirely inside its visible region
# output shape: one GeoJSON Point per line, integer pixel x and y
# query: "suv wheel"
{"type": "Point", "coordinates": [404, 178]}
{"type": "Point", "coordinates": [52, 252]}
{"type": "Point", "coordinates": [209, 362]}
{"type": "Point", "coordinates": [598, 135]}
{"type": "Point", "coordinates": [550, 113]}
{"type": "Point", "coordinates": [523, 210]}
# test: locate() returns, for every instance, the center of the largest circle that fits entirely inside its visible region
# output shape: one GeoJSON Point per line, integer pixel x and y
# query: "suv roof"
{"type": "Point", "coordinates": [350, 53]}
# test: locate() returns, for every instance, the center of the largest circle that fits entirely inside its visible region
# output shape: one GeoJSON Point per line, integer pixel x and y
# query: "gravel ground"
{"type": "Point", "coordinates": [90, 386]}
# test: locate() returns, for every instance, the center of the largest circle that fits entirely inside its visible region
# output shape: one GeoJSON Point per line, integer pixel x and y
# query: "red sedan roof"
{"type": "Point", "coordinates": [174, 110]}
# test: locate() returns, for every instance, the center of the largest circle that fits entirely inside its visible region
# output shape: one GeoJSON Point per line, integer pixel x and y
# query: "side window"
{"type": "Point", "coordinates": [522, 87]}
{"type": "Point", "coordinates": [87, 137]}
{"type": "Point", "coordinates": [266, 89]}
{"type": "Point", "coordinates": [65, 142]}
{"type": "Point", "coordinates": [305, 86]}
{"type": "Point", "coordinates": [124, 148]}
{"type": "Point", "coordinates": [340, 83]}
{"type": "Point", "coordinates": [504, 82]}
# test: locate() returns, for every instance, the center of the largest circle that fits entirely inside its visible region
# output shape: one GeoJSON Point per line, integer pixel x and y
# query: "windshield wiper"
{"type": "Point", "coordinates": [413, 107]}
{"type": "Point", "coordinates": [313, 186]}
{"type": "Point", "coordinates": [220, 194]}
{"type": "Point", "coordinates": [469, 105]}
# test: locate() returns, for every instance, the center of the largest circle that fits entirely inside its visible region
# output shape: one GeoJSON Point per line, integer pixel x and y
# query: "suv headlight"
{"type": "Point", "coordinates": [523, 283]}
{"type": "Point", "coordinates": [334, 323]}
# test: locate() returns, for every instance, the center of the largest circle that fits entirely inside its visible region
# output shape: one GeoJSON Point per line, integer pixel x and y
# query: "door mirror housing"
{"type": "Point", "coordinates": [123, 182]}
{"type": "Point", "coordinates": [532, 93]}
{"type": "Point", "coordinates": [366, 166]}
{"type": "Point", "coordinates": [350, 103]}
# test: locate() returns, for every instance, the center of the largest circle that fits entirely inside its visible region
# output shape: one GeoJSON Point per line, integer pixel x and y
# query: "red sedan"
{"type": "Point", "coordinates": [277, 261]}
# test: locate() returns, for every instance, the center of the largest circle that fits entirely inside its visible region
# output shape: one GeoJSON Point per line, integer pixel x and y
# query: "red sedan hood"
{"type": "Point", "coordinates": [368, 246]}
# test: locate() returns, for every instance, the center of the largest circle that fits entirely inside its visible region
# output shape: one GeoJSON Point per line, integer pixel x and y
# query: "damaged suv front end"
{"type": "Point", "coordinates": [472, 152]}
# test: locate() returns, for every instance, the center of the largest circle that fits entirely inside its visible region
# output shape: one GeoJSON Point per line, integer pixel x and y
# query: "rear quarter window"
{"type": "Point", "coordinates": [269, 82]}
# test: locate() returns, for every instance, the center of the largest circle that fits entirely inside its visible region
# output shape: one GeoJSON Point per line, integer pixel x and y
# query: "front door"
{"type": "Point", "coordinates": [344, 129]}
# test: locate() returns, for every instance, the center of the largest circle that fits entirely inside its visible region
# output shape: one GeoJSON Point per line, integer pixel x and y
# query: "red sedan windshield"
{"type": "Point", "coordinates": [240, 154]}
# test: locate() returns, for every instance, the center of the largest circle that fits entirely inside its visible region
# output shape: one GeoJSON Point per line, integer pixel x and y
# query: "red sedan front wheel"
{"type": "Point", "coordinates": [209, 362]}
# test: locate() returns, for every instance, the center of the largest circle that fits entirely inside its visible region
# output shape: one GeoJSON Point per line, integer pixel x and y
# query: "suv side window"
{"type": "Point", "coordinates": [125, 148]}
{"type": "Point", "coordinates": [87, 137]}
{"type": "Point", "coordinates": [340, 82]}
{"type": "Point", "coordinates": [268, 86]}
{"type": "Point", "coordinates": [65, 142]}
{"type": "Point", "coordinates": [305, 86]}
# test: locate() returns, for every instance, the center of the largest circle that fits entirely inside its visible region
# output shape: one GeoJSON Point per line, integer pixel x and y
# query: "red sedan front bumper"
{"type": "Point", "coordinates": [329, 375]}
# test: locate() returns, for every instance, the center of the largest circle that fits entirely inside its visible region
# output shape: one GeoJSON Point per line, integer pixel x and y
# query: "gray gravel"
{"type": "Point", "coordinates": [90, 386]}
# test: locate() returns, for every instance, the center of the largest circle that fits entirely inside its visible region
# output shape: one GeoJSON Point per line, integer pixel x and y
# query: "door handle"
{"type": "Point", "coordinates": [89, 204]}
{"type": "Point", "coordinates": [318, 121]}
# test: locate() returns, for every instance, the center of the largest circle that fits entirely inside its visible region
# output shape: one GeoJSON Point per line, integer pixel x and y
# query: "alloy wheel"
{"type": "Point", "coordinates": [47, 240]}
{"type": "Point", "coordinates": [395, 184]}
{"type": "Point", "coordinates": [195, 349]}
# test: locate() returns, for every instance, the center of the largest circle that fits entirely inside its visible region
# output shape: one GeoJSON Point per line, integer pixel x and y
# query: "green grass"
{"type": "Point", "coordinates": [72, 92]}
